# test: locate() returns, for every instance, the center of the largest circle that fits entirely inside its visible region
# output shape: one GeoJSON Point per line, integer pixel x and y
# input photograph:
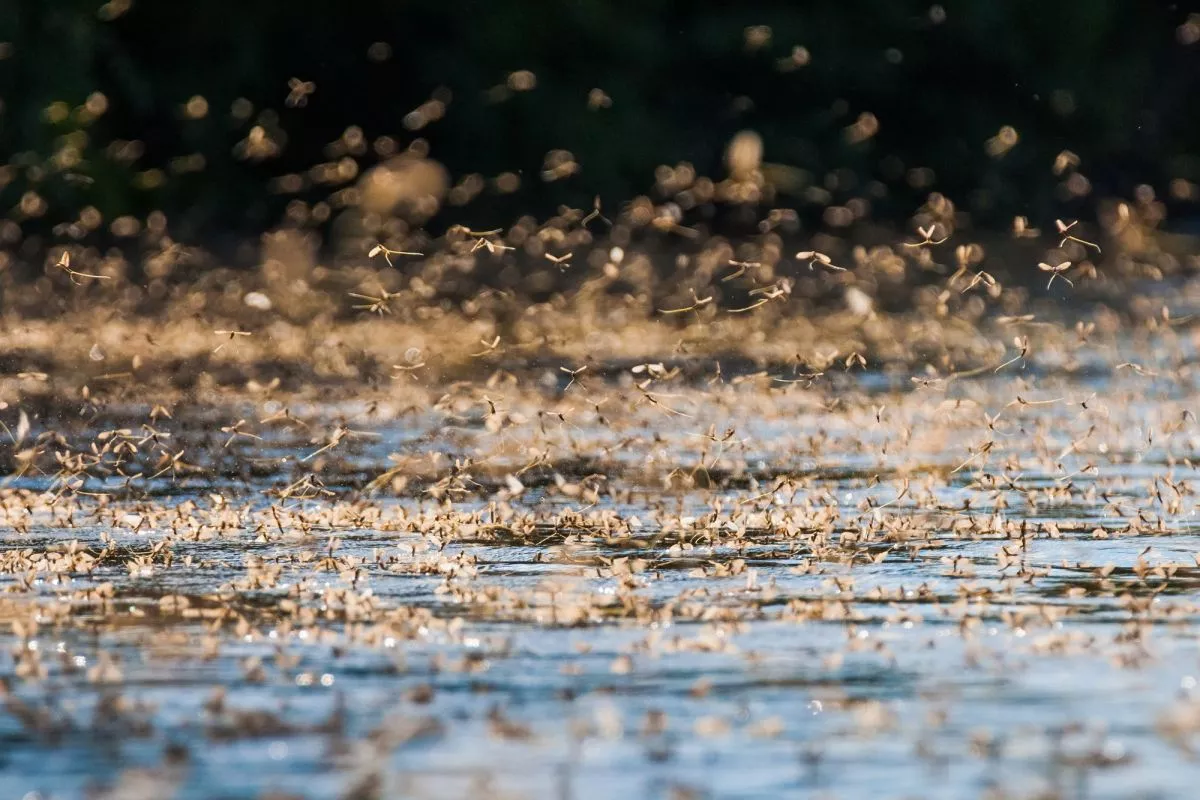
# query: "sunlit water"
{"type": "Point", "coordinates": [901, 654]}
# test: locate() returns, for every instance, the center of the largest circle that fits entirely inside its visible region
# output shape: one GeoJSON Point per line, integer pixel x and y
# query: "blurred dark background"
{"type": "Point", "coordinates": [221, 113]}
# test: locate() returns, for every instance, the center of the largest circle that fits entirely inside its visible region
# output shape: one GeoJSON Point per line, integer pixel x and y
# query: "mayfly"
{"type": "Point", "coordinates": [387, 253]}
{"type": "Point", "coordinates": [595, 214]}
{"type": "Point", "coordinates": [742, 266]}
{"type": "Point", "coordinates": [1056, 271]}
{"type": "Point", "coordinates": [812, 256]}
{"type": "Point", "coordinates": [574, 373]}
{"type": "Point", "coordinates": [488, 347]}
{"type": "Point", "coordinates": [298, 92]}
{"type": "Point", "coordinates": [926, 237]}
{"type": "Point", "coordinates": [231, 335]}
{"type": "Point", "coordinates": [562, 262]}
{"type": "Point", "coordinates": [64, 262]}
{"type": "Point", "coordinates": [483, 239]}
{"type": "Point", "coordinates": [375, 305]}
{"type": "Point", "coordinates": [1064, 228]}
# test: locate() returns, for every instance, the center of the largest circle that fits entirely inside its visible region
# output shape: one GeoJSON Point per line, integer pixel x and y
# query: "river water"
{"type": "Point", "coordinates": [884, 585]}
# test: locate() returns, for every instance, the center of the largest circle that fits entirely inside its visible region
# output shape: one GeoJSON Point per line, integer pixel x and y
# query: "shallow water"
{"type": "Point", "coordinates": [852, 594]}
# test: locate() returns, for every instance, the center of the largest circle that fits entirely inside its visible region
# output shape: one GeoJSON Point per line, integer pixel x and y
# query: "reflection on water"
{"type": "Point", "coordinates": [762, 586]}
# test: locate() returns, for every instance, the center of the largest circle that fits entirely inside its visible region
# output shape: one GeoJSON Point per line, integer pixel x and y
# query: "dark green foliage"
{"type": "Point", "coordinates": [1108, 80]}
